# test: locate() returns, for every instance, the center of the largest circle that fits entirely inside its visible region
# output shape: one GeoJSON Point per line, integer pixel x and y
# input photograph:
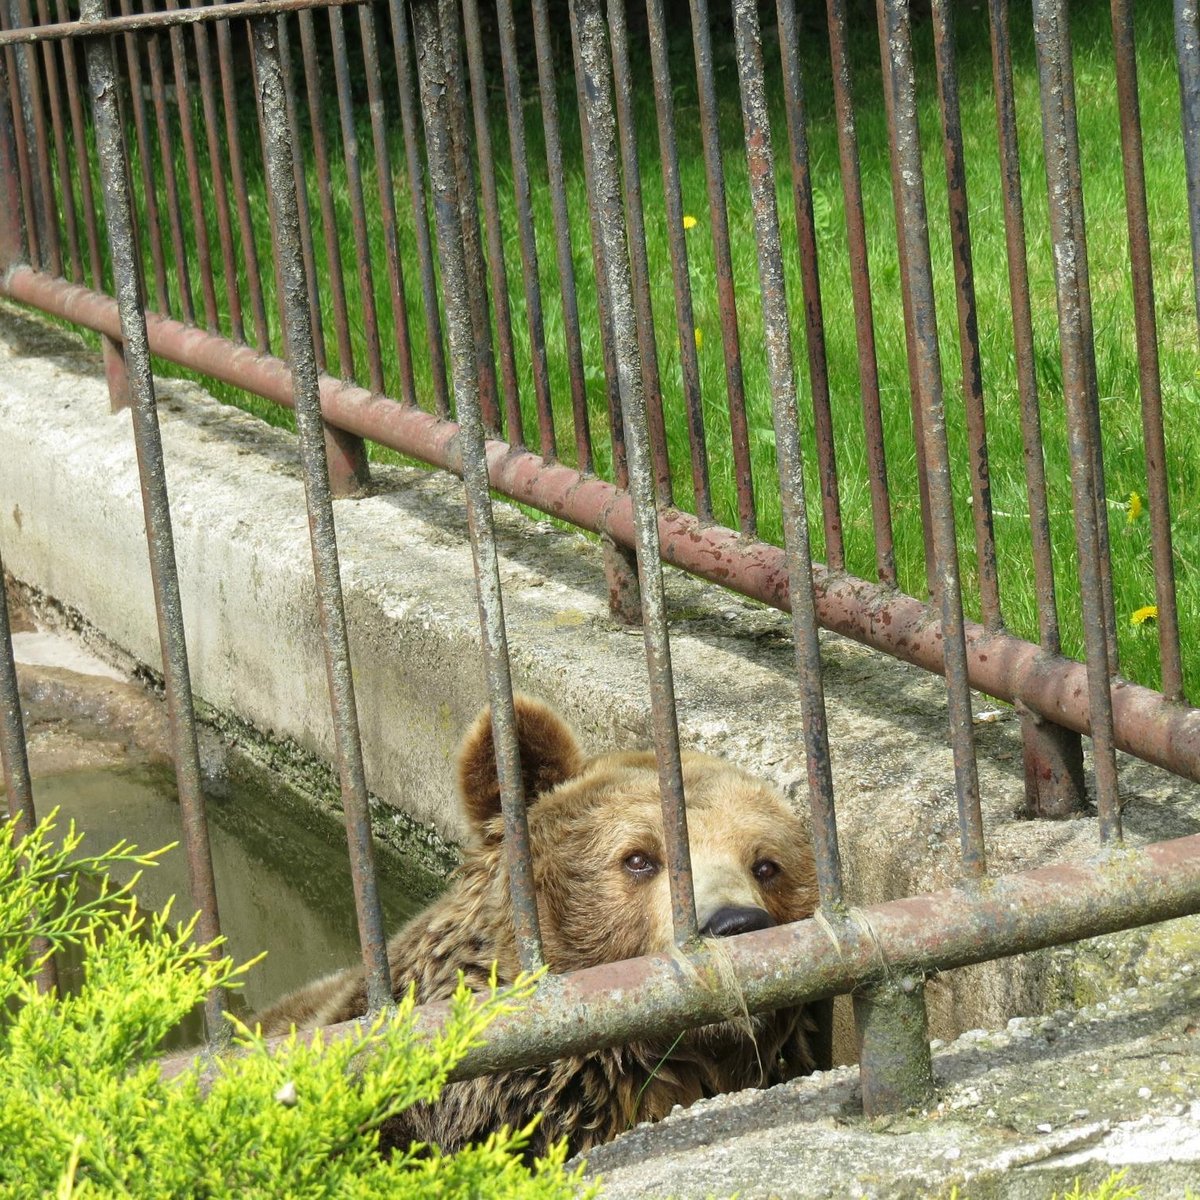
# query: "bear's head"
{"type": "Point", "coordinates": [598, 849]}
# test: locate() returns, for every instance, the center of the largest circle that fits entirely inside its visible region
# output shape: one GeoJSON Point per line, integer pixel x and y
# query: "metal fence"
{"type": "Point", "coordinates": [601, 457]}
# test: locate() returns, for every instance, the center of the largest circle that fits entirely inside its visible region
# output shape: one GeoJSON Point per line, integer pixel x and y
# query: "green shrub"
{"type": "Point", "coordinates": [85, 1111]}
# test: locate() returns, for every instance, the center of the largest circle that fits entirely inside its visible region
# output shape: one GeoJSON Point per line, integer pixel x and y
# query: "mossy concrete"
{"type": "Point", "coordinates": [71, 528]}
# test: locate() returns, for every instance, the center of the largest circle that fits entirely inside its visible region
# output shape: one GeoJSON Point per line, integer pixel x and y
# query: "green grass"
{"type": "Point", "coordinates": [1115, 350]}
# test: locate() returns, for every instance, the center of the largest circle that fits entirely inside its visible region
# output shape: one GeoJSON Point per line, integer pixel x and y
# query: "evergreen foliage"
{"type": "Point", "coordinates": [85, 1110]}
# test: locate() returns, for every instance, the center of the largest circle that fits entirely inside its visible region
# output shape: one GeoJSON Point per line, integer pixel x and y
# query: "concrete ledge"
{"type": "Point", "coordinates": [71, 526]}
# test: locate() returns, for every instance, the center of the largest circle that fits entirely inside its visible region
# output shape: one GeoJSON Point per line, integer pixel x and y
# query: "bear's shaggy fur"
{"type": "Point", "coordinates": [596, 834]}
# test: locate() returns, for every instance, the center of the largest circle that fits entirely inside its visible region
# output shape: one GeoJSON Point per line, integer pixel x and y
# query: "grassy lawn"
{"type": "Point", "coordinates": [1116, 357]}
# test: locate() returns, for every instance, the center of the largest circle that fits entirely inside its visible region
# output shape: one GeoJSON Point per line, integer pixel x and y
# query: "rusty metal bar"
{"type": "Point", "coordinates": [82, 166]}
{"type": "Point", "coordinates": [595, 63]}
{"type": "Point", "coordinates": [23, 173]}
{"type": "Point", "coordinates": [1187, 49]}
{"type": "Point", "coordinates": [514, 425]}
{"type": "Point", "coordinates": [432, 72]}
{"type": "Point", "coordinates": [547, 442]}
{"type": "Point", "coordinates": [1001, 665]}
{"type": "Point", "coordinates": [354, 189]}
{"type": "Point", "coordinates": [658, 996]}
{"type": "Point", "coordinates": [387, 201]}
{"type": "Point", "coordinates": [810, 283]}
{"type": "Point", "coordinates": [1158, 498]}
{"type": "Point", "coordinates": [1052, 43]}
{"type": "Point", "coordinates": [968, 313]}
{"type": "Point", "coordinates": [685, 320]}
{"type": "Point", "coordinates": [608, 353]}
{"type": "Point", "coordinates": [141, 127]}
{"type": "Point", "coordinates": [166, 155]}
{"type": "Point", "coordinates": [183, 102]}
{"type": "Point", "coordinates": [45, 205]}
{"type": "Point", "coordinates": [1018, 290]}
{"type": "Point", "coordinates": [860, 282]}
{"type": "Point", "coordinates": [892, 1028]}
{"type": "Point", "coordinates": [334, 274]}
{"type": "Point", "coordinates": [564, 258]}
{"type": "Point", "coordinates": [718, 218]}
{"type": "Point", "coordinates": [110, 147]}
{"type": "Point", "coordinates": [156, 20]}
{"type": "Point", "coordinates": [917, 284]}
{"type": "Point", "coordinates": [12, 214]}
{"type": "Point", "coordinates": [416, 189]}
{"type": "Point", "coordinates": [777, 332]}
{"type": "Point", "coordinates": [66, 190]}
{"type": "Point", "coordinates": [468, 202]}
{"type": "Point", "coordinates": [233, 140]}
{"type": "Point", "coordinates": [206, 74]}
{"type": "Point", "coordinates": [306, 399]}
{"type": "Point", "coordinates": [639, 264]}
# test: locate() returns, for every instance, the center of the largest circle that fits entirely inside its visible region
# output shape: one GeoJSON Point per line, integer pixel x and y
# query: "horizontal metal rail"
{"type": "Point", "coordinates": [169, 19]}
{"type": "Point", "coordinates": [659, 995]}
{"type": "Point", "coordinates": [1145, 723]}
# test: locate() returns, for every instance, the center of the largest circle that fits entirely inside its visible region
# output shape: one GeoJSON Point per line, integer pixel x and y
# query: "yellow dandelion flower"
{"type": "Point", "coordinates": [689, 222]}
{"type": "Point", "coordinates": [699, 337]}
{"type": "Point", "coordinates": [1142, 615]}
{"type": "Point", "coordinates": [1135, 508]}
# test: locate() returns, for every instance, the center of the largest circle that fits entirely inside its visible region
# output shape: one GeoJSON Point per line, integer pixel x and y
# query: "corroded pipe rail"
{"type": "Point", "coordinates": [999, 664]}
{"type": "Point", "coordinates": [660, 995]}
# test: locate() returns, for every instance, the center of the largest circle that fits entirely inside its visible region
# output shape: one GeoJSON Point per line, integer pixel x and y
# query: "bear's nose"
{"type": "Point", "coordinates": [726, 922]}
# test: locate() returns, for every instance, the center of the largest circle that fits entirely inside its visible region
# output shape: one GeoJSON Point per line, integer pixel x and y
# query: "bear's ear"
{"type": "Point", "coordinates": [549, 755]}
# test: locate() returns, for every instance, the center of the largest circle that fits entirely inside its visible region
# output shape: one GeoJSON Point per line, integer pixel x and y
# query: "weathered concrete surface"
{"type": "Point", "coordinates": [1020, 1114]}
{"type": "Point", "coordinates": [71, 526]}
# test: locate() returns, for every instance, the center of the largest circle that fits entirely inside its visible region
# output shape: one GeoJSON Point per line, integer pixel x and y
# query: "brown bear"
{"type": "Point", "coordinates": [596, 836]}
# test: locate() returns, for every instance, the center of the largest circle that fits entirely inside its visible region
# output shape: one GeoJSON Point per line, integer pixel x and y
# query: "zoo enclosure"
{"type": "Point", "coordinates": [63, 255]}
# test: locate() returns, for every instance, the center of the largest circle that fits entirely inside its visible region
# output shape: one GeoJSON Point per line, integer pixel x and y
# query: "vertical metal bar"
{"type": "Point", "coordinates": [917, 284]}
{"type": "Point", "coordinates": [12, 212]}
{"type": "Point", "coordinates": [723, 260]}
{"type": "Point", "coordinates": [432, 72]}
{"type": "Point", "coordinates": [1158, 498]}
{"type": "Point", "coordinates": [18, 788]}
{"type": "Point", "coordinates": [208, 100]}
{"type": "Point", "coordinates": [141, 126]}
{"type": "Point", "coordinates": [778, 336]}
{"type": "Point", "coordinates": [416, 188]}
{"type": "Point", "coordinates": [1187, 49]}
{"type": "Point", "coordinates": [1022, 316]}
{"type": "Point", "coordinates": [66, 190]}
{"type": "Point", "coordinates": [562, 236]}
{"type": "Point", "coordinates": [1053, 45]}
{"type": "Point", "coordinates": [299, 173]}
{"type": "Point", "coordinates": [24, 168]}
{"type": "Point", "coordinates": [495, 237]}
{"type": "Point", "coordinates": [358, 212]}
{"type": "Point", "coordinates": [968, 318]}
{"type": "Point", "coordinates": [110, 143]}
{"type": "Point", "coordinates": [237, 173]}
{"type": "Point", "coordinates": [810, 283]}
{"type": "Point", "coordinates": [334, 273]}
{"type": "Point", "coordinates": [893, 1046]}
{"type": "Point", "coordinates": [595, 63]}
{"type": "Point", "coordinates": [685, 320]}
{"type": "Point", "coordinates": [638, 260]}
{"type": "Point", "coordinates": [387, 201]}
{"type": "Point", "coordinates": [191, 163]}
{"type": "Point", "coordinates": [860, 283]}
{"type": "Point", "coordinates": [306, 399]}
{"type": "Point", "coordinates": [82, 165]}
{"type": "Point", "coordinates": [600, 268]}
{"type": "Point", "coordinates": [469, 206]}
{"type": "Point", "coordinates": [529, 256]}
{"type": "Point", "coordinates": [44, 202]}
{"type": "Point", "coordinates": [158, 92]}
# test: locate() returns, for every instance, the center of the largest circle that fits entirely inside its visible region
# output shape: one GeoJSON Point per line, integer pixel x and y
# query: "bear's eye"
{"type": "Point", "coordinates": [765, 870]}
{"type": "Point", "coordinates": [640, 865]}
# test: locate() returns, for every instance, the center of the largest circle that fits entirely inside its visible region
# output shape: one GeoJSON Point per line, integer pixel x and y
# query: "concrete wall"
{"type": "Point", "coordinates": [71, 525]}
